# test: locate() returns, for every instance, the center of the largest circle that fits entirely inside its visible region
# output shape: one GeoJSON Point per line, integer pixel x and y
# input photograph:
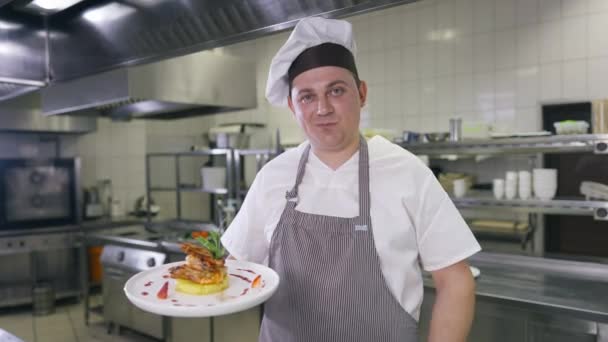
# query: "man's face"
{"type": "Point", "coordinates": [327, 104]}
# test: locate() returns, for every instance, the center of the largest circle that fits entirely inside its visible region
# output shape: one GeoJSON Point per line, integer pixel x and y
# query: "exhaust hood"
{"type": "Point", "coordinates": [192, 85]}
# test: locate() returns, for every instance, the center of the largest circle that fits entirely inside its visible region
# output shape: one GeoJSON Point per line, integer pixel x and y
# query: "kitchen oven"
{"type": "Point", "coordinates": [38, 193]}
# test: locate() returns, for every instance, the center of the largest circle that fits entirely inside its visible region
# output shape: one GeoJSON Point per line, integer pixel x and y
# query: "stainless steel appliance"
{"type": "Point", "coordinates": [38, 193]}
{"type": "Point", "coordinates": [30, 258]}
{"type": "Point", "coordinates": [119, 264]}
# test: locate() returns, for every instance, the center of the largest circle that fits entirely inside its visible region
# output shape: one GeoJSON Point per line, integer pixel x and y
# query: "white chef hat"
{"type": "Point", "coordinates": [333, 45]}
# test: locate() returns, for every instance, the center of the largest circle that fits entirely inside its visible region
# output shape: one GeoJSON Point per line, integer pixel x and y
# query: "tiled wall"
{"type": "Point", "coordinates": [482, 60]}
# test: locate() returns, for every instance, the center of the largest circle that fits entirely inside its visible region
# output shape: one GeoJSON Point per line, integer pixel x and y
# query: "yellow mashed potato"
{"type": "Point", "coordinates": [186, 286]}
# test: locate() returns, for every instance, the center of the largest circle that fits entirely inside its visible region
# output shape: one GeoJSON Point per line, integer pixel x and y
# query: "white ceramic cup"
{"type": "Point", "coordinates": [498, 187]}
{"type": "Point", "coordinates": [511, 175]}
{"type": "Point", "coordinates": [460, 187]}
{"type": "Point", "coordinates": [510, 189]}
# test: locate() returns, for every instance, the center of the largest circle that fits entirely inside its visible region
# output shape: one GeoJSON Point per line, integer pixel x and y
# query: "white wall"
{"type": "Point", "coordinates": [481, 60]}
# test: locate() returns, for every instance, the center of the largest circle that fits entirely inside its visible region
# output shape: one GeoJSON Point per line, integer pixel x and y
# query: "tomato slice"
{"type": "Point", "coordinates": [163, 292]}
{"type": "Point", "coordinates": [256, 282]}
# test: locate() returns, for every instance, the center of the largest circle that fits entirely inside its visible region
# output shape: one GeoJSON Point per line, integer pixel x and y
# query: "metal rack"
{"type": "Point", "coordinates": [231, 196]}
{"type": "Point", "coordinates": [596, 143]}
{"type": "Point", "coordinates": [229, 191]}
{"type": "Point", "coordinates": [587, 143]}
{"type": "Point", "coordinates": [597, 209]}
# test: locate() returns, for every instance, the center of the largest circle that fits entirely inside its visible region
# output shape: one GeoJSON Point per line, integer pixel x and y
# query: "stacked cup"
{"type": "Point", "coordinates": [511, 185]}
{"type": "Point", "coordinates": [498, 187]}
{"type": "Point", "coordinates": [525, 185]}
{"type": "Point", "coordinates": [544, 183]}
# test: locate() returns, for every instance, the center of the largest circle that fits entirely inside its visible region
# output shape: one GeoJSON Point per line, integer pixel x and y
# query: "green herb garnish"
{"type": "Point", "coordinates": [212, 244]}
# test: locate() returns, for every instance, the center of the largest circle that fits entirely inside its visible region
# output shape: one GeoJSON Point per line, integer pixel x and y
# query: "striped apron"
{"type": "Point", "coordinates": [332, 288]}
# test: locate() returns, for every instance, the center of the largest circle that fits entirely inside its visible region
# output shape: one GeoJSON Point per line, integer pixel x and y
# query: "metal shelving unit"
{"type": "Point", "coordinates": [178, 188]}
{"type": "Point", "coordinates": [231, 195]}
{"type": "Point", "coordinates": [597, 209]}
{"type": "Point", "coordinates": [534, 147]}
{"type": "Point", "coordinates": [595, 143]}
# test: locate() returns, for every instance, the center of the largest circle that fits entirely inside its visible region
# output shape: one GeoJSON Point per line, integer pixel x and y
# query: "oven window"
{"type": "Point", "coordinates": [37, 193]}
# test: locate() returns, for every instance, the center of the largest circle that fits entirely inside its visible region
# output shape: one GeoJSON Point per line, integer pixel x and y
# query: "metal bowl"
{"type": "Point", "coordinates": [437, 136]}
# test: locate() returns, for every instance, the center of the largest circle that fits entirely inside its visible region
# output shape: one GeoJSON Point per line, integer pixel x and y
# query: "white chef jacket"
{"type": "Point", "coordinates": [413, 220]}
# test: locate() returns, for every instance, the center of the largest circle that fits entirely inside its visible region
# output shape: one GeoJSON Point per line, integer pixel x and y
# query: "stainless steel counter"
{"type": "Point", "coordinates": [574, 288]}
{"type": "Point", "coordinates": [85, 226]}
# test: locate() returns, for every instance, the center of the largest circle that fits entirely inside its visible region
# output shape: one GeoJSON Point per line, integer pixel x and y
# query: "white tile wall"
{"type": "Point", "coordinates": [482, 60]}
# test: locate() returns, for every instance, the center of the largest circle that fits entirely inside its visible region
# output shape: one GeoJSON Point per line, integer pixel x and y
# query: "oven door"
{"type": "Point", "coordinates": [38, 193]}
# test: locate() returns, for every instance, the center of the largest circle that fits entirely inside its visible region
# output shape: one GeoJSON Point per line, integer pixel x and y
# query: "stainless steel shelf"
{"type": "Point", "coordinates": [187, 189]}
{"type": "Point", "coordinates": [596, 143]}
{"type": "Point", "coordinates": [597, 209]}
{"type": "Point", "coordinates": [206, 152]}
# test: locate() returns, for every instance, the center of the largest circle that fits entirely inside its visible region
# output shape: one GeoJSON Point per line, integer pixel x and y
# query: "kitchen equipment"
{"type": "Point", "coordinates": [234, 135]}
{"type": "Point", "coordinates": [594, 190]}
{"type": "Point", "coordinates": [498, 188]}
{"type": "Point", "coordinates": [192, 85]}
{"type": "Point", "coordinates": [37, 193]}
{"type": "Point", "coordinates": [120, 264]}
{"type": "Point", "coordinates": [141, 207]}
{"type": "Point", "coordinates": [213, 177]}
{"type": "Point", "coordinates": [436, 137]}
{"type": "Point", "coordinates": [447, 180]}
{"type": "Point", "coordinates": [104, 187]}
{"type": "Point", "coordinates": [410, 137]}
{"type": "Point", "coordinates": [43, 299]}
{"type": "Point", "coordinates": [250, 284]}
{"type": "Point", "coordinates": [455, 129]}
{"type": "Point", "coordinates": [524, 184]}
{"type": "Point", "coordinates": [28, 261]}
{"type": "Point", "coordinates": [544, 183]}
{"type": "Point", "coordinates": [92, 203]}
{"type": "Point", "coordinates": [460, 187]}
{"type": "Point", "coordinates": [571, 127]}
{"type": "Point", "coordinates": [599, 116]}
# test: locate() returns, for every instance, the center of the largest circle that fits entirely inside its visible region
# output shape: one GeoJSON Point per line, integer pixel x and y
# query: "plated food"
{"type": "Point", "coordinates": [204, 284]}
{"type": "Point", "coordinates": [204, 271]}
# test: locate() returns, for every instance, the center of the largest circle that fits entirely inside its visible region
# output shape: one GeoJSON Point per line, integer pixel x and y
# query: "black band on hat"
{"type": "Point", "coordinates": [326, 54]}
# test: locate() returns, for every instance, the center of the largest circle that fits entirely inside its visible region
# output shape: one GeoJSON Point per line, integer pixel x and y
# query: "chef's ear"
{"type": "Point", "coordinates": [362, 92]}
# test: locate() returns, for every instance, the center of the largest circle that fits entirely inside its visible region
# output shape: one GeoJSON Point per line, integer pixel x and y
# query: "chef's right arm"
{"type": "Point", "coordinates": [445, 242]}
{"type": "Point", "coordinates": [244, 239]}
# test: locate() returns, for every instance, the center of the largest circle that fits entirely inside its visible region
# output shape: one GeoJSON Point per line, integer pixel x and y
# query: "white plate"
{"type": "Point", "coordinates": [141, 289]}
{"type": "Point", "coordinates": [475, 271]}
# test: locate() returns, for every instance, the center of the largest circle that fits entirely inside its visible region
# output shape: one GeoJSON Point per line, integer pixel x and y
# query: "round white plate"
{"type": "Point", "coordinates": [475, 271]}
{"type": "Point", "coordinates": [142, 289]}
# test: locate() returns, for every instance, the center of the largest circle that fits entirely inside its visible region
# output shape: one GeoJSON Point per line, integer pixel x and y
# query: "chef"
{"type": "Point", "coordinates": [348, 224]}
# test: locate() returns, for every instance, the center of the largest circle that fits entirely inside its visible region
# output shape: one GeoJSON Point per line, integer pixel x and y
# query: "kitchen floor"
{"type": "Point", "coordinates": [66, 324]}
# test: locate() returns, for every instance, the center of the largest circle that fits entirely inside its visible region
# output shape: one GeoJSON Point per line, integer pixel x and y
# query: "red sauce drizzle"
{"type": "Point", "coordinates": [241, 277]}
{"type": "Point", "coordinates": [144, 293]}
{"type": "Point", "coordinates": [174, 300]}
{"type": "Point", "coordinates": [148, 283]}
{"type": "Point", "coordinates": [242, 269]}
{"type": "Point", "coordinates": [166, 276]}
{"type": "Point", "coordinates": [244, 292]}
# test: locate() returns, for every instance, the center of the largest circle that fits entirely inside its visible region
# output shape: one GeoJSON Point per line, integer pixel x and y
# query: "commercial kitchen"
{"type": "Point", "coordinates": [127, 125]}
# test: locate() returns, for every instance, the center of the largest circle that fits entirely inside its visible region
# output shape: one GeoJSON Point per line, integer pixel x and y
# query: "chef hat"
{"type": "Point", "coordinates": [314, 42]}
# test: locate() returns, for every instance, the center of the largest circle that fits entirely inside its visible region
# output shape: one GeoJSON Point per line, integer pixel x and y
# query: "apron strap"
{"type": "Point", "coordinates": [364, 194]}
{"type": "Point", "coordinates": [292, 195]}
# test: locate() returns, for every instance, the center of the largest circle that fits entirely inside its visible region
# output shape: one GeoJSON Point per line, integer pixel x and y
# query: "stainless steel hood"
{"type": "Point", "coordinates": [192, 85]}
{"type": "Point", "coordinates": [22, 114]}
{"type": "Point", "coordinates": [97, 36]}
{"type": "Point", "coordinates": [101, 35]}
